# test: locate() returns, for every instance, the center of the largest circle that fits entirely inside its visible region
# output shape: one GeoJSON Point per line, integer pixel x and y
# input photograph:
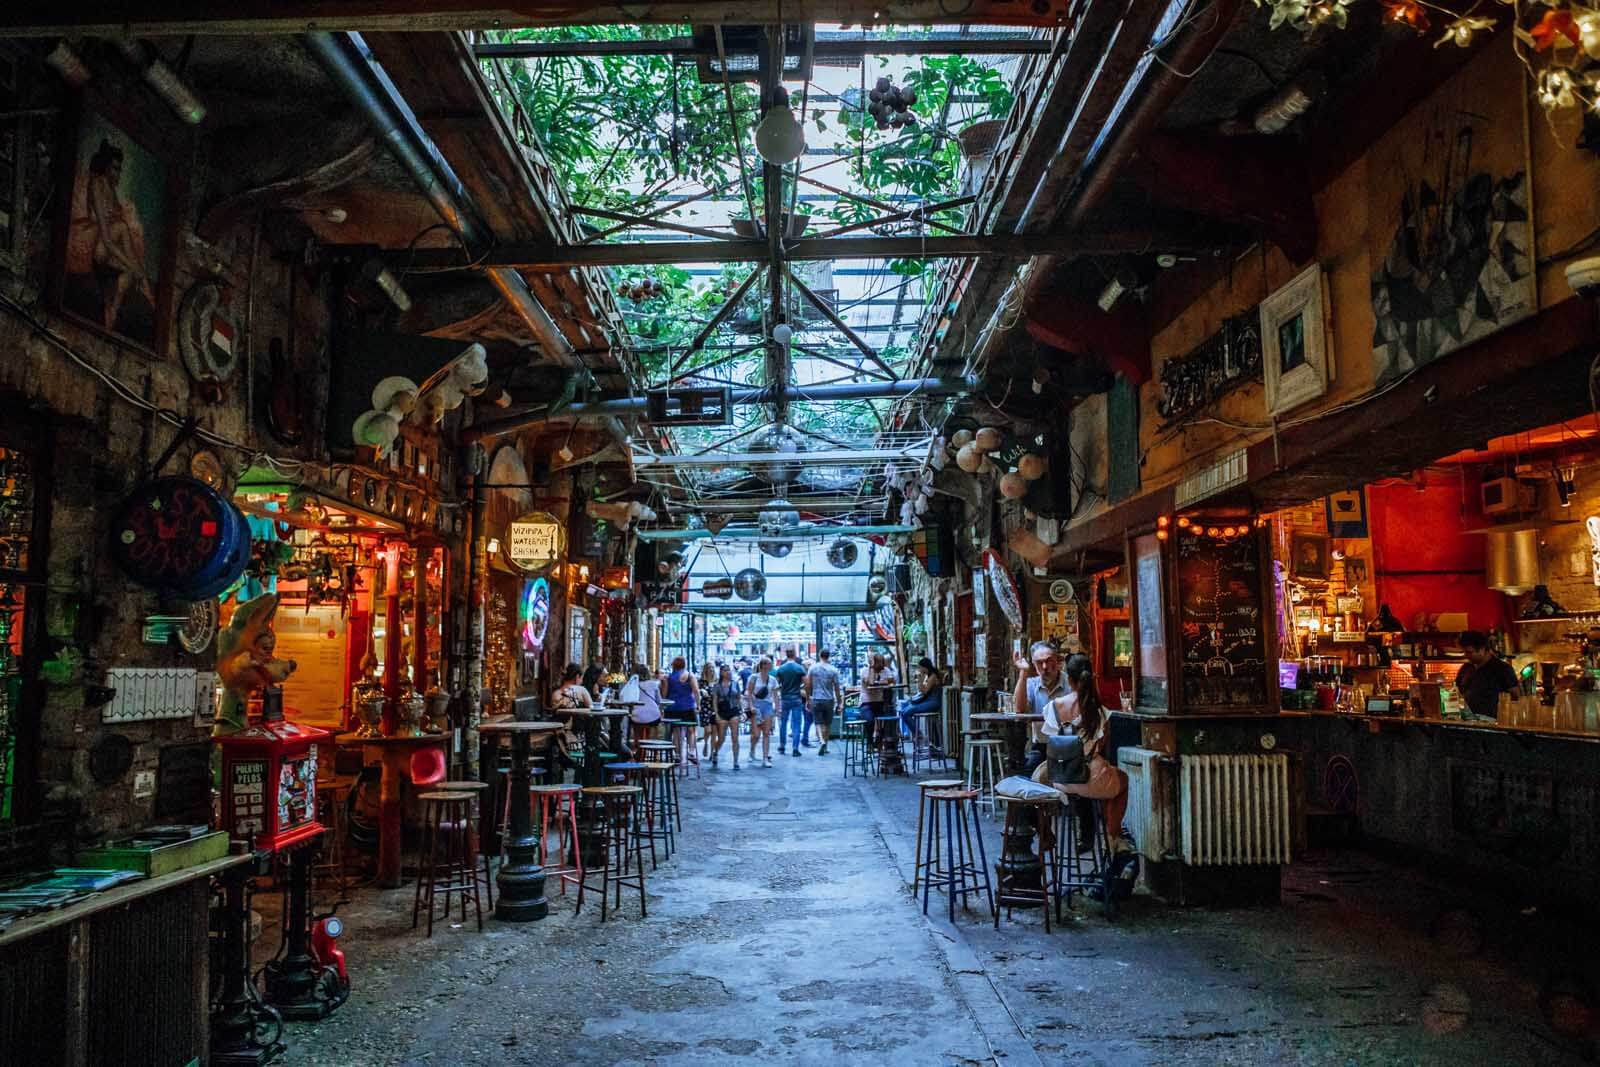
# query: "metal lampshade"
{"type": "Point", "coordinates": [1511, 560]}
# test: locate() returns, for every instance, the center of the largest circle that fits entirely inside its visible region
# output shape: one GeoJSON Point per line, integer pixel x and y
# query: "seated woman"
{"type": "Point", "coordinates": [1079, 712]}
{"type": "Point", "coordinates": [929, 696]}
{"type": "Point", "coordinates": [569, 694]}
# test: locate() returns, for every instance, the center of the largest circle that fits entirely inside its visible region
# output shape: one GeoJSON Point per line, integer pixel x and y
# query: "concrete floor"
{"type": "Point", "coordinates": [784, 930]}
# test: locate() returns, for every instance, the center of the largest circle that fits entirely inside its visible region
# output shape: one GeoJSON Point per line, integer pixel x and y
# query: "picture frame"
{"type": "Point", "coordinates": [117, 226]}
{"type": "Point", "coordinates": [1294, 342]}
{"type": "Point", "coordinates": [1310, 557]}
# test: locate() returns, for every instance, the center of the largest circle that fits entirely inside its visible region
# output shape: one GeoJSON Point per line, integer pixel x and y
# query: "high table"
{"type": "Point", "coordinates": [394, 754]}
{"type": "Point", "coordinates": [1016, 728]}
{"type": "Point", "coordinates": [591, 834]}
{"type": "Point", "coordinates": [521, 877]}
{"type": "Point", "coordinates": [887, 740]}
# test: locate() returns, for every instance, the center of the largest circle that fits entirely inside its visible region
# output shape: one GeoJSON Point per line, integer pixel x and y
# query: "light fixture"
{"type": "Point", "coordinates": [783, 333]}
{"type": "Point", "coordinates": [494, 545]}
{"type": "Point", "coordinates": [1120, 283]}
{"type": "Point", "coordinates": [1566, 484]}
{"type": "Point", "coordinates": [779, 136]}
{"type": "Point", "coordinates": [167, 85]}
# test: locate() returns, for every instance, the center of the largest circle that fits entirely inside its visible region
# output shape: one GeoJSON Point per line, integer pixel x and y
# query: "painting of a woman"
{"type": "Point", "coordinates": [114, 234]}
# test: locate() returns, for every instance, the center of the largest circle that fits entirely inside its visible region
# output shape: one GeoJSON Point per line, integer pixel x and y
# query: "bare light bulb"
{"type": "Point", "coordinates": [779, 136]}
{"type": "Point", "coordinates": [782, 333]}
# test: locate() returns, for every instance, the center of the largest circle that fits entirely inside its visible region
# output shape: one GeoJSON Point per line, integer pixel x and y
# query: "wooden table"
{"type": "Point", "coordinates": [890, 759]}
{"type": "Point", "coordinates": [1016, 728]}
{"type": "Point", "coordinates": [394, 754]}
{"type": "Point", "coordinates": [521, 876]}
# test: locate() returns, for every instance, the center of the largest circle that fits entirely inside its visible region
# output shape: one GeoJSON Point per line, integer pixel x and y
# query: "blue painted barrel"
{"type": "Point", "coordinates": [181, 536]}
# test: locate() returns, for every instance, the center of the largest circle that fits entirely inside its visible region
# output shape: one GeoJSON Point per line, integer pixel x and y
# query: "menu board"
{"type": "Point", "coordinates": [1222, 642]}
{"type": "Point", "coordinates": [315, 639]}
{"type": "Point", "coordinates": [1149, 606]}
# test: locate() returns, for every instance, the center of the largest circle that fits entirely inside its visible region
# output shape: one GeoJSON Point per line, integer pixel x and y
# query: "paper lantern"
{"type": "Point", "coordinates": [968, 458]}
{"type": "Point", "coordinates": [989, 439]}
{"type": "Point", "coordinates": [1013, 486]}
{"type": "Point", "coordinates": [960, 438]}
{"type": "Point", "coordinates": [1031, 467]}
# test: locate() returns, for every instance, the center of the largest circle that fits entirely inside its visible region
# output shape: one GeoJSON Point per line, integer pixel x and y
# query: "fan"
{"type": "Point", "coordinates": [750, 584]}
{"type": "Point", "coordinates": [842, 553]}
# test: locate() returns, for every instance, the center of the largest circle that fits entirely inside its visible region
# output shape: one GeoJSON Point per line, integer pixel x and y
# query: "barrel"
{"type": "Point", "coordinates": [182, 537]}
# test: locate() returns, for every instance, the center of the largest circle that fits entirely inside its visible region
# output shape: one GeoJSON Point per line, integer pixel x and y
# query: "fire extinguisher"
{"type": "Point", "coordinates": [325, 931]}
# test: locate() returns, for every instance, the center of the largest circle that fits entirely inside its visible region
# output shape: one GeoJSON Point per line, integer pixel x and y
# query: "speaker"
{"type": "Point", "coordinates": [899, 578]}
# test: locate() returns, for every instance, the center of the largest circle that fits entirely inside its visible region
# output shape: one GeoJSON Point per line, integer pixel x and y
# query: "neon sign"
{"type": "Point", "coordinates": [535, 614]}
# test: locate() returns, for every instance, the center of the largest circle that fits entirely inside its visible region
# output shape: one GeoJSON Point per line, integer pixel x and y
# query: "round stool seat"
{"type": "Point", "coordinates": [985, 742]}
{"type": "Point", "coordinates": [611, 790]}
{"type": "Point", "coordinates": [554, 790]}
{"type": "Point", "coordinates": [625, 765]}
{"type": "Point", "coordinates": [658, 766]}
{"type": "Point", "coordinates": [941, 783]}
{"type": "Point", "coordinates": [953, 794]}
{"type": "Point", "coordinates": [463, 786]}
{"type": "Point", "coordinates": [443, 797]}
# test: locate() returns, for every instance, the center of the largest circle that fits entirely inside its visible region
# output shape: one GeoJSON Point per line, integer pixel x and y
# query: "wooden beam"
{"type": "Point", "coordinates": [153, 18]}
{"type": "Point", "coordinates": [550, 256]}
{"type": "Point", "coordinates": [854, 48]}
{"type": "Point", "coordinates": [843, 327]}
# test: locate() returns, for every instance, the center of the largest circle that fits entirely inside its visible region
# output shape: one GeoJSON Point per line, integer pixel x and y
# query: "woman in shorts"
{"type": "Point", "coordinates": [726, 701]}
{"type": "Point", "coordinates": [761, 693]}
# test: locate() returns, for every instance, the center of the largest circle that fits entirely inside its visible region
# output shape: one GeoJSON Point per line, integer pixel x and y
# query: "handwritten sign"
{"type": "Point", "coordinates": [535, 540]}
{"type": "Point", "coordinates": [1223, 641]}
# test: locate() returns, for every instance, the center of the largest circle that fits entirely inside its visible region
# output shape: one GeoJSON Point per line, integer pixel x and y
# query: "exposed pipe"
{"type": "Point", "coordinates": [637, 405]}
{"type": "Point", "coordinates": [750, 533]}
{"type": "Point", "coordinates": [386, 111]}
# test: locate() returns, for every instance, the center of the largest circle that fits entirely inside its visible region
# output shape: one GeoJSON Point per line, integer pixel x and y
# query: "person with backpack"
{"type": "Point", "coordinates": [1080, 713]}
{"type": "Point", "coordinates": [791, 678]}
{"type": "Point", "coordinates": [822, 692]}
{"type": "Point", "coordinates": [759, 692]}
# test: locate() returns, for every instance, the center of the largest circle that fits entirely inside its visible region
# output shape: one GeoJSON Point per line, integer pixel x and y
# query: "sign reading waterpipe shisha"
{"type": "Point", "coordinates": [536, 540]}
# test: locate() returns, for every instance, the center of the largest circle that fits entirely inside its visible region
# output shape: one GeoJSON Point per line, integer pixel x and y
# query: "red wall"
{"type": "Point", "coordinates": [1421, 531]}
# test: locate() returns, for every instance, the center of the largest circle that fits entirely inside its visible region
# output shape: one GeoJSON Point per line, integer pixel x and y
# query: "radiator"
{"type": "Point", "coordinates": [1234, 810]}
{"type": "Point", "coordinates": [1150, 808]}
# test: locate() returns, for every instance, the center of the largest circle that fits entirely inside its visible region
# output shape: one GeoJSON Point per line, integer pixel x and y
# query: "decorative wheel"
{"type": "Point", "coordinates": [1340, 786]}
{"type": "Point", "coordinates": [201, 626]}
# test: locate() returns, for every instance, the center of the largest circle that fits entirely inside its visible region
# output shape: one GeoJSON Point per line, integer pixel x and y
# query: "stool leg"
{"type": "Point", "coordinates": [916, 865]}
{"type": "Point", "coordinates": [422, 866]}
{"type": "Point", "coordinates": [1047, 855]}
{"type": "Point", "coordinates": [983, 859]}
{"type": "Point", "coordinates": [643, 912]}
{"type": "Point", "coordinates": [928, 850]}
{"type": "Point", "coordinates": [470, 868]}
{"type": "Point", "coordinates": [955, 863]}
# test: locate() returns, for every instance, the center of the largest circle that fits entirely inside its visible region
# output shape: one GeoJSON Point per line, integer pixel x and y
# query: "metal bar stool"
{"type": "Point", "coordinates": [631, 772]}
{"type": "Point", "coordinates": [1070, 876]}
{"type": "Point", "coordinates": [958, 875]}
{"type": "Point", "coordinates": [683, 743]}
{"type": "Point", "coordinates": [660, 792]}
{"type": "Point", "coordinates": [923, 803]}
{"type": "Point", "coordinates": [985, 762]}
{"type": "Point", "coordinates": [664, 752]}
{"type": "Point", "coordinates": [923, 750]}
{"type": "Point", "coordinates": [854, 733]}
{"type": "Point", "coordinates": [445, 819]}
{"type": "Point", "coordinates": [891, 760]}
{"type": "Point", "coordinates": [1017, 864]}
{"type": "Point", "coordinates": [563, 800]}
{"type": "Point", "coordinates": [621, 846]}
{"type": "Point", "coordinates": [475, 788]}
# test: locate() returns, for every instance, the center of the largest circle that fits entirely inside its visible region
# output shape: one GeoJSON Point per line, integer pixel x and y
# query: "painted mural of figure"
{"type": "Point", "coordinates": [245, 662]}
{"type": "Point", "coordinates": [106, 239]}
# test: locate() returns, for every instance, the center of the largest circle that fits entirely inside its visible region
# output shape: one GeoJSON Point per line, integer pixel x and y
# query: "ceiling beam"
{"type": "Point", "coordinates": [850, 457]}
{"type": "Point", "coordinates": [152, 18]}
{"type": "Point", "coordinates": [853, 48]}
{"type": "Point", "coordinates": [644, 253]}
{"type": "Point", "coordinates": [814, 533]}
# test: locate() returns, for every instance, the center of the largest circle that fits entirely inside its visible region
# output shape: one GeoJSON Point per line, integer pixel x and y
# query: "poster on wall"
{"type": "Point", "coordinates": [577, 636]}
{"type": "Point", "coordinates": [1222, 644]}
{"type": "Point", "coordinates": [1450, 218]}
{"type": "Point", "coordinates": [315, 639]}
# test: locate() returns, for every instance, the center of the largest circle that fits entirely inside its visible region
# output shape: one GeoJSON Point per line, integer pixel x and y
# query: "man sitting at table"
{"type": "Point", "coordinates": [1038, 684]}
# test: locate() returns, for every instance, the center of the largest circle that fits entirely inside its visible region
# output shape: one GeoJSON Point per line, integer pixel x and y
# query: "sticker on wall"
{"type": "Point", "coordinates": [1347, 513]}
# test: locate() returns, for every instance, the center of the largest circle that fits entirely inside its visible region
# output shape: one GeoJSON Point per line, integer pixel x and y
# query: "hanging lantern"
{"type": "Point", "coordinates": [989, 439]}
{"type": "Point", "coordinates": [1013, 486]}
{"type": "Point", "coordinates": [1031, 466]}
{"type": "Point", "coordinates": [968, 458]}
{"type": "Point", "coordinates": [960, 438]}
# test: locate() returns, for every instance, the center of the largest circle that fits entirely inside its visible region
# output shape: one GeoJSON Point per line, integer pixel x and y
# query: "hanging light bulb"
{"type": "Point", "coordinates": [783, 333]}
{"type": "Point", "coordinates": [779, 137]}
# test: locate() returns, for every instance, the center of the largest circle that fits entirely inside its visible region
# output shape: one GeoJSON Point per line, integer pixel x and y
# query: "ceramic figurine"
{"type": "Point", "coordinates": [245, 662]}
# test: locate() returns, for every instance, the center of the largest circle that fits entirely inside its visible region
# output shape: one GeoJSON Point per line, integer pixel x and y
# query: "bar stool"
{"type": "Point", "coordinates": [335, 794]}
{"type": "Point", "coordinates": [857, 754]}
{"type": "Point", "coordinates": [664, 752]}
{"type": "Point", "coordinates": [891, 760]}
{"type": "Point", "coordinates": [968, 736]}
{"type": "Point", "coordinates": [923, 804]}
{"type": "Point", "coordinates": [475, 789]}
{"type": "Point", "coordinates": [445, 820]}
{"type": "Point", "coordinates": [922, 748]}
{"type": "Point", "coordinates": [984, 760]}
{"type": "Point", "coordinates": [1015, 834]}
{"type": "Point", "coordinates": [683, 743]}
{"type": "Point", "coordinates": [562, 800]}
{"type": "Point", "coordinates": [657, 782]}
{"type": "Point", "coordinates": [620, 846]}
{"type": "Point", "coordinates": [1070, 877]}
{"type": "Point", "coordinates": [959, 875]}
{"type": "Point", "coordinates": [505, 804]}
{"type": "Point", "coordinates": [631, 772]}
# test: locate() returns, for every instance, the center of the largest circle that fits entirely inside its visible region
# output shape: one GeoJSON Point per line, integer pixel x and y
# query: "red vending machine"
{"type": "Point", "coordinates": [269, 783]}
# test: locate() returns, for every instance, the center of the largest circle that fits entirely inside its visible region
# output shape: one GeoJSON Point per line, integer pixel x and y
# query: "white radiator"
{"type": "Point", "coordinates": [1234, 809]}
{"type": "Point", "coordinates": [1150, 808]}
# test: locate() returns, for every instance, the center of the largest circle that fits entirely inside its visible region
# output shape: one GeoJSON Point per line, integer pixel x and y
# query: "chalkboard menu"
{"type": "Point", "coordinates": [1222, 641]}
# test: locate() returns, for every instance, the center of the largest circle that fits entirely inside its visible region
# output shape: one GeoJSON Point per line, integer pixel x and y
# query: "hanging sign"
{"type": "Point", "coordinates": [535, 540]}
{"type": "Point", "coordinates": [1005, 590]}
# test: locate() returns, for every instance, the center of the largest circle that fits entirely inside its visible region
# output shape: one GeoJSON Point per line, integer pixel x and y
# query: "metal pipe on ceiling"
{"type": "Point", "coordinates": [350, 65]}
{"type": "Point", "coordinates": [638, 405]}
{"type": "Point", "coordinates": [756, 534]}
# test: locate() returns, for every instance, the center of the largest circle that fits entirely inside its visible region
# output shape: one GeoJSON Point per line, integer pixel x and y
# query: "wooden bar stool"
{"type": "Point", "coordinates": [658, 809]}
{"type": "Point", "coordinates": [446, 819]}
{"type": "Point", "coordinates": [1011, 892]}
{"type": "Point", "coordinates": [1070, 875]}
{"type": "Point", "coordinates": [984, 760]}
{"type": "Point", "coordinates": [621, 846]}
{"type": "Point", "coordinates": [922, 807]}
{"type": "Point", "coordinates": [631, 772]}
{"type": "Point", "coordinates": [562, 801]}
{"type": "Point", "coordinates": [476, 789]}
{"type": "Point", "coordinates": [959, 875]}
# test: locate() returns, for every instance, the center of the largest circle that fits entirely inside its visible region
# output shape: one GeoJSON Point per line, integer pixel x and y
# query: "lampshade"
{"type": "Point", "coordinates": [779, 137]}
{"type": "Point", "coordinates": [1511, 560]}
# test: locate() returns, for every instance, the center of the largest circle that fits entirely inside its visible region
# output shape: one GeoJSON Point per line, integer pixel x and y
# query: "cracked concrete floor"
{"type": "Point", "coordinates": [784, 930]}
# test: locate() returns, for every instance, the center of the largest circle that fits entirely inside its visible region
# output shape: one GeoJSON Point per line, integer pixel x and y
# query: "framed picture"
{"type": "Point", "coordinates": [1294, 344]}
{"type": "Point", "coordinates": [1308, 557]}
{"type": "Point", "coordinates": [1347, 513]}
{"type": "Point", "coordinates": [117, 231]}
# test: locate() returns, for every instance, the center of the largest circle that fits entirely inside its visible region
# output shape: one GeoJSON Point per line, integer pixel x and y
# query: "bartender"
{"type": "Point", "coordinates": [1484, 677]}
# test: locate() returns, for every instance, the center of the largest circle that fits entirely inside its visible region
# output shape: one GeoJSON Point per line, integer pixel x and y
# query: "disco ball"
{"type": "Point", "coordinates": [749, 584]}
{"type": "Point", "coordinates": [842, 553]}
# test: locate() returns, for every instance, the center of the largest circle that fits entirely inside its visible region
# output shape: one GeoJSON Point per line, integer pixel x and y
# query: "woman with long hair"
{"type": "Point", "coordinates": [569, 695]}
{"type": "Point", "coordinates": [1080, 712]}
{"type": "Point", "coordinates": [725, 700]}
{"type": "Point", "coordinates": [680, 700]}
{"type": "Point", "coordinates": [707, 708]}
{"type": "Point", "coordinates": [761, 692]}
{"type": "Point", "coordinates": [646, 717]}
